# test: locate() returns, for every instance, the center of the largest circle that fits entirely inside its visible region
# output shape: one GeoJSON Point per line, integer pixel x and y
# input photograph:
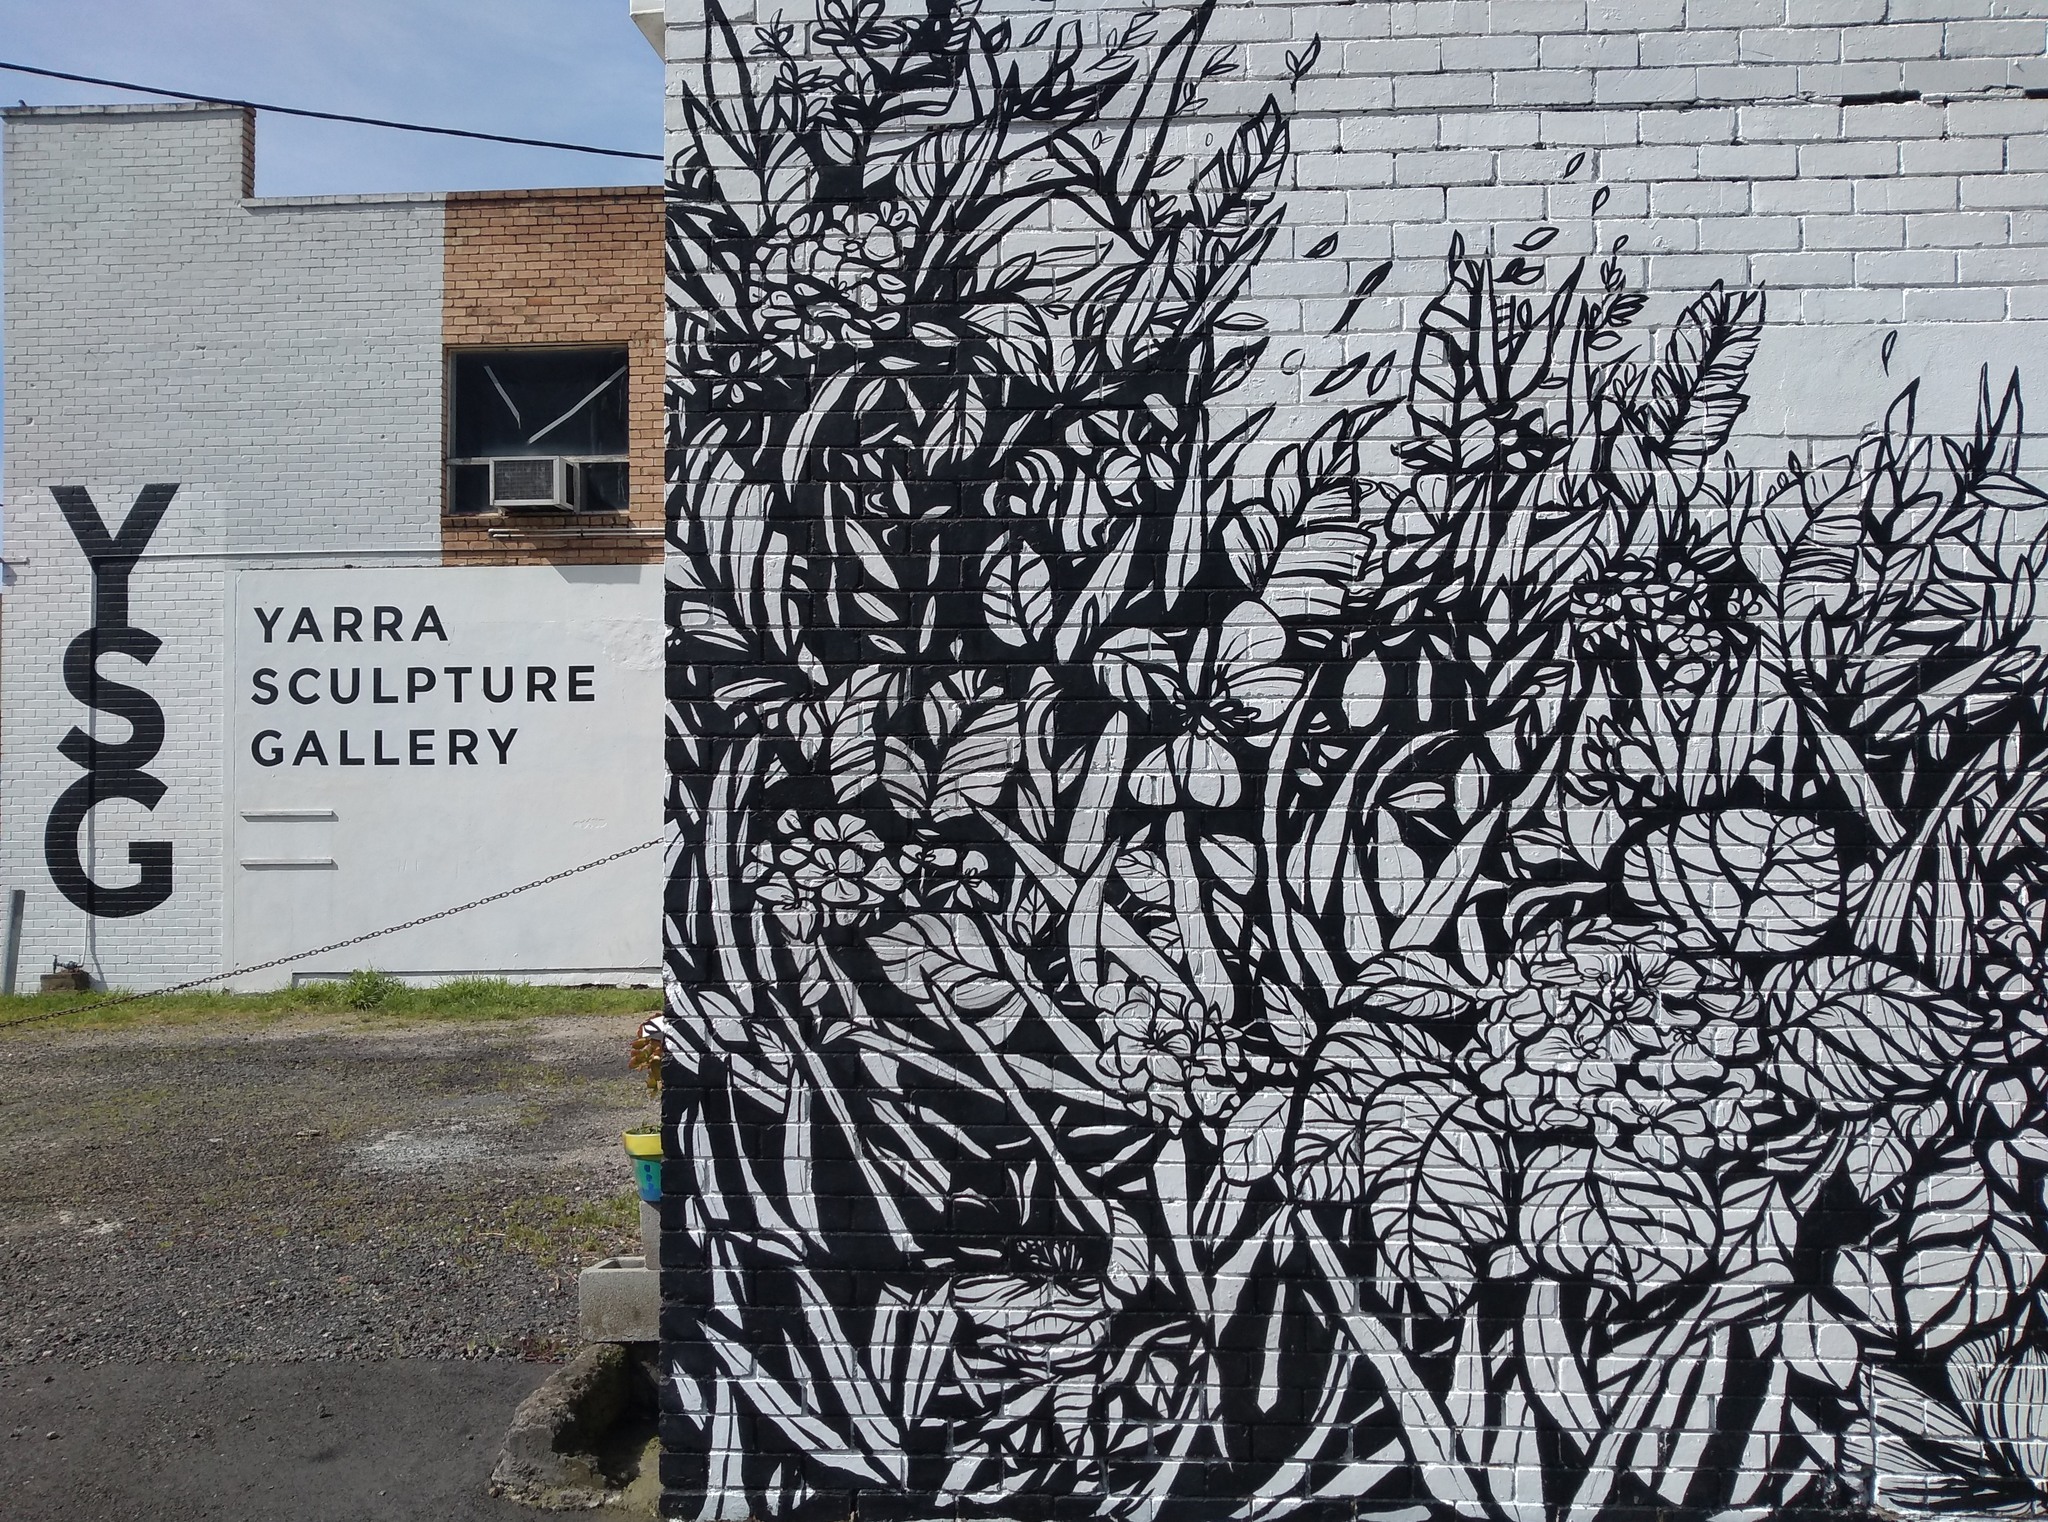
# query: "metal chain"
{"type": "Point", "coordinates": [319, 951]}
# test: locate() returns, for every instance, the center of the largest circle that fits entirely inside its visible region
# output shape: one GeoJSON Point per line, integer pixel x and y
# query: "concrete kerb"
{"type": "Point", "coordinates": [585, 1438]}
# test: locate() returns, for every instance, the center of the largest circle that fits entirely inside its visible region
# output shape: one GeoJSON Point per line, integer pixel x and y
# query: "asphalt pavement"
{"type": "Point", "coordinates": [327, 1441]}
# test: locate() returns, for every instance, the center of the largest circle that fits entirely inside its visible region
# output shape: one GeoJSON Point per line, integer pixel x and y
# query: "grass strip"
{"type": "Point", "coordinates": [367, 997]}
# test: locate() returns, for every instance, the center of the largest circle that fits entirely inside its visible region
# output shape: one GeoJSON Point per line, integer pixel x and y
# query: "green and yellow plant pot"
{"type": "Point", "coordinates": [643, 1145]}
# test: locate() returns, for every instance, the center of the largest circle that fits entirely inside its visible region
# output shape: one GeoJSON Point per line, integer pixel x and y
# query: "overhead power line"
{"type": "Point", "coordinates": [329, 116]}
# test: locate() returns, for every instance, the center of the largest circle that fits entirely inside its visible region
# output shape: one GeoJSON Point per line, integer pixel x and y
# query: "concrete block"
{"type": "Point", "coordinates": [618, 1300]}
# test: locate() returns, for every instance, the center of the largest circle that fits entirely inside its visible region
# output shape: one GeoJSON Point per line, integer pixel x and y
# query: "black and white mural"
{"type": "Point", "coordinates": [1472, 957]}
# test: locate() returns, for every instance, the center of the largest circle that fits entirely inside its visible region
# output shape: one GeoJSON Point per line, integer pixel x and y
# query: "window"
{"type": "Point", "coordinates": [537, 430]}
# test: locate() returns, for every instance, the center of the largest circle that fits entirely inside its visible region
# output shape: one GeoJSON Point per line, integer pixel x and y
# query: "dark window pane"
{"type": "Point", "coordinates": [604, 489]}
{"type": "Point", "coordinates": [539, 401]}
{"type": "Point", "coordinates": [469, 489]}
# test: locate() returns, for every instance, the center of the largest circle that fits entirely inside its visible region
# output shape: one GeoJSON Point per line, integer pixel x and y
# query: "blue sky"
{"type": "Point", "coordinates": [574, 70]}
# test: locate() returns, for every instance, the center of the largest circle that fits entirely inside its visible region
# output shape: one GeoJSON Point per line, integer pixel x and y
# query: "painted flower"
{"type": "Point", "coordinates": [1233, 689]}
{"type": "Point", "coordinates": [860, 27]}
{"type": "Point", "coordinates": [1625, 1063]}
{"type": "Point", "coordinates": [948, 877]}
{"type": "Point", "coordinates": [1650, 1047]}
{"type": "Point", "coordinates": [733, 383]}
{"type": "Point", "coordinates": [1150, 1039]}
{"type": "Point", "coordinates": [872, 235]}
{"type": "Point", "coordinates": [1663, 611]}
{"type": "Point", "coordinates": [831, 871]}
{"type": "Point", "coordinates": [1159, 1051]}
{"type": "Point", "coordinates": [1031, 1343]}
{"type": "Point", "coordinates": [832, 276]}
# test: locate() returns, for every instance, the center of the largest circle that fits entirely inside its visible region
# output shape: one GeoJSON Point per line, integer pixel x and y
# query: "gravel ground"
{"type": "Point", "coordinates": [309, 1191]}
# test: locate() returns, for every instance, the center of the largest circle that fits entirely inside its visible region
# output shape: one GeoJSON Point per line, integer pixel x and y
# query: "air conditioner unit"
{"type": "Point", "coordinates": [597, 486]}
{"type": "Point", "coordinates": [532, 483]}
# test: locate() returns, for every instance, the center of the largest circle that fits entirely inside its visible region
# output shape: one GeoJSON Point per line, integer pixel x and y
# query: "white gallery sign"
{"type": "Point", "coordinates": [404, 740]}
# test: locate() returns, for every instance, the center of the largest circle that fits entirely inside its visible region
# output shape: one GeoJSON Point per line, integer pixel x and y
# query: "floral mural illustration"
{"type": "Point", "coordinates": [1211, 979]}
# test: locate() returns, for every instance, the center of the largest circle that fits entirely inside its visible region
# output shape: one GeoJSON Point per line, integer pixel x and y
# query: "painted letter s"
{"type": "Point", "coordinates": [113, 769]}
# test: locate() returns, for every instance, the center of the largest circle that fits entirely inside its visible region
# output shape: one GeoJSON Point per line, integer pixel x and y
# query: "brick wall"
{"type": "Point", "coordinates": [562, 267]}
{"type": "Point", "coordinates": [1356, 725]}
{"type": "Point", "coordinates": [280, 362]}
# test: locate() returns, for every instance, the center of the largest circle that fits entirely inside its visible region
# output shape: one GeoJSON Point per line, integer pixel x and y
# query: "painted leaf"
{"type": "Point", "coordinates": [1019, 342]}
{"type": "Point", "coordinates": [1315, 572]}
{"type": "Point", "coordinates": [1855, 1034]}
{"type": "Point", "coordinates": [1555, 1366]}
{"type": "Point", "coordinates": [1143, 872]}
{"type": "Point", "coordinates": [1965, 1264]}
{"type": "Point", "coordinates": [1233, 861]}
{"type": "Point", "coordinates": [1488, 1401]}
{"type": "Point", "coordinates": [1038, 781]}
{"type": "Point", "coordinates": [1365, 692]}
{"type": "Point", "coordinates": [1139, 666]}
{"type": "Point", "coordinates": [1253, 1140]}
{"type": "Point", "coordinates": [1590, 1214]}
{"type": "Point", "coordinates": [978, 762]}
{"type": "Point", "coordinates": [1017, 597]}
{"type": "Point", "coordinates": [944, 958]}
{"type": "Point", "coordinates": [1230, 865]}
{"type": "Point", "coordinates": [904, 778]}
{"type": "Point", "coordinates": [1860, 1282]}
{"type": "Point", "coordinates": [1408, 986]}
{"type": "Point", "coordinates": [1697, 392]}
{"type": "Point", "coordinates": [1416, 1150]}
{"type": "Point", "coordinates": [1882, 1150]}
{"type": "Point", "coordinates": [1759, 1234]}
{"type": "Point", "coordinates": [1241, 178]}
{"type": "Point", "coordinates": [1819, 1346]}
{"type": "Point", "coordinates": [1251, 536]}
{"type": "Point", "coordinates": [1336, 1149]}
{"type": "Point", "coordinates": [2015, 1411]}
{"type": "Point", "coordinates": [1401, 875]}
{"type": "Point", "coordinates": [1436, 1178]}
{"type": "Point", "coordinates": [1675, 1434]}
{"type": "Point", "coordinates": [699, 620]}
{"type": "Point", "coordinates": [1760, 883]}
{"type": "Point", "coordinates": [926, 1345]}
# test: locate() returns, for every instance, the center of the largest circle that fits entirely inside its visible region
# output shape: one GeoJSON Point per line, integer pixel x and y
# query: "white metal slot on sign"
{"type": "Point", "coordinates": [290, 863]}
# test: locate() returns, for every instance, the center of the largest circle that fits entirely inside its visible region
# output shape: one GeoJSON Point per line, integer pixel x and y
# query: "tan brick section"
{"type": "Point", "coordinates": [563, 267]}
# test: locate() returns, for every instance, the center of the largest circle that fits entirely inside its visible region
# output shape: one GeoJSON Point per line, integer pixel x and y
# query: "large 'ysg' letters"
{"type": "Point", "coordinates": [113, 769]}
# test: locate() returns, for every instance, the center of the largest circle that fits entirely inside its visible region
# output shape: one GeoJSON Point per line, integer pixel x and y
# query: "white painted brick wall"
{"type": "Point", "coordinates": [1880, 168]}
{"type": "Point", "coordinates": [280, 361]}
{"type": "Point", "coordinates": [1717, 128]}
